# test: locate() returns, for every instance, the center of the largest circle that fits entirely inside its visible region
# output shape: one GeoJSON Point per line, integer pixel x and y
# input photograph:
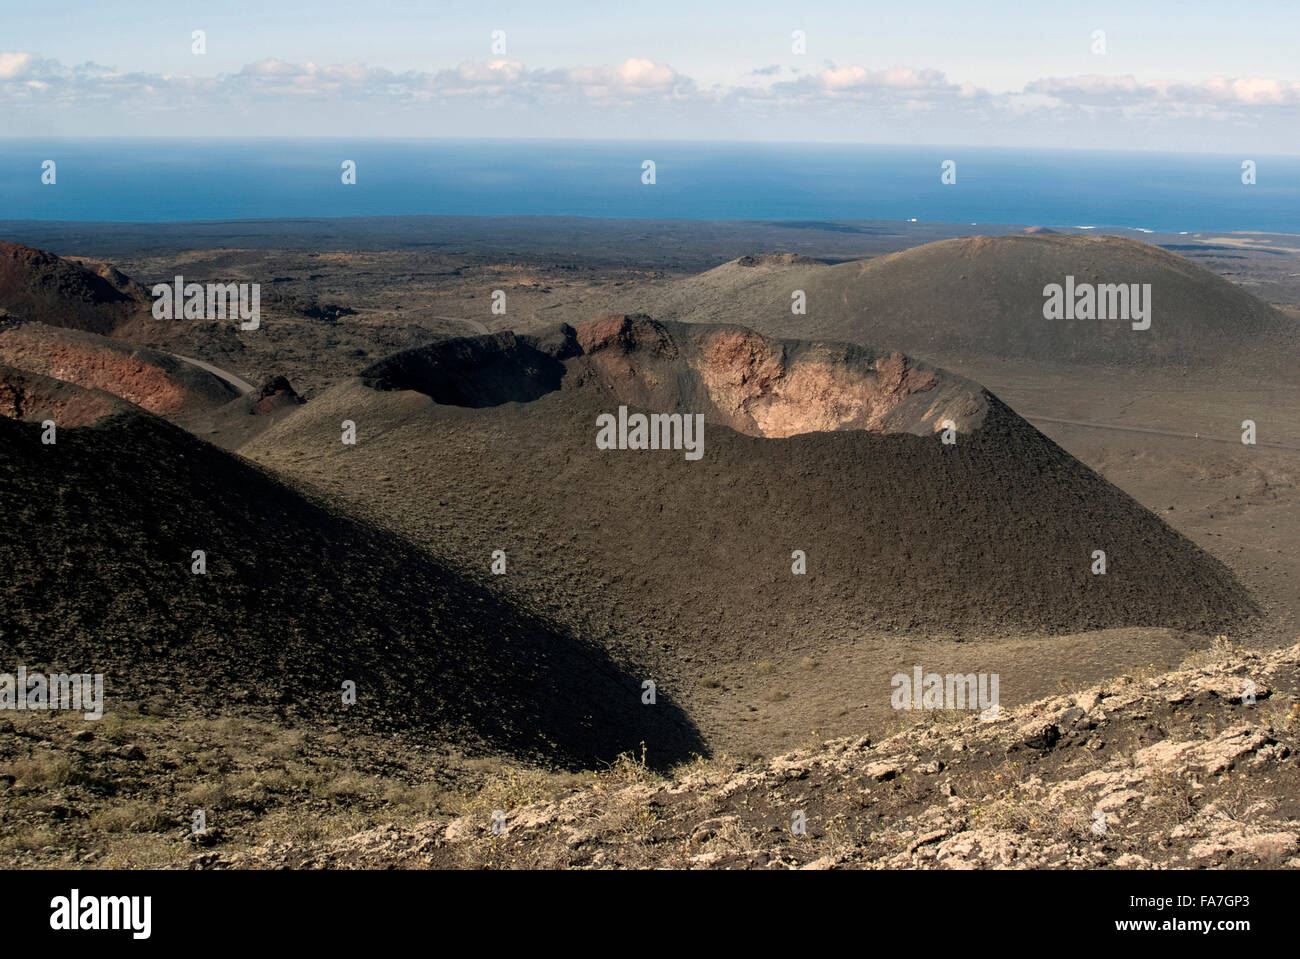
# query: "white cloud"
{"type": "Point", "coordinates": [1125, 91]}
{"type": "Point", "coordinates": [271, 93]}
{"type": "Point", "coordinates": [858, 80]}
{"type": "Point", "coordinates": [1255, 90]}
{"type": "Point", "coordinates": [13, 64]}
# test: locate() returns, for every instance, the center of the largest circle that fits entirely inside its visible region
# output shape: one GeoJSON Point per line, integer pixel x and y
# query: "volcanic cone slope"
{"type": "Point", "coordinates": [98, 552]}
{"type": "Point", "coordinates": [985, 295]}
{"type": "Point", "coordinates": [150, 379]}
{"type": "Point", "coordinates": [34, 398]}
{"type": "Point", "coordinates": [40, 286]}
{"type": "Point", "coordinates": [834, 451]}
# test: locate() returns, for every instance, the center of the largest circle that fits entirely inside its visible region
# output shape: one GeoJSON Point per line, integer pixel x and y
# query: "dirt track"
{"type": "Point", "coordinates": [1033, 417]}
{"type": "Point", "coordinates": [242, 385]}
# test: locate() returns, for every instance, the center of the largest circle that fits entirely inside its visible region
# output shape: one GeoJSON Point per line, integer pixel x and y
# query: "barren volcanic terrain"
{"type": "Point", "coordinates": [488, 443]}
{"type": "Point", "coordinates": [919, 472]}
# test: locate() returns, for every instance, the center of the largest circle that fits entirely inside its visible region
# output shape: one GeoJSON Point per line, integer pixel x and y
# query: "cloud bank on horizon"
{"type": "Point", "coordinates": [657, 93]}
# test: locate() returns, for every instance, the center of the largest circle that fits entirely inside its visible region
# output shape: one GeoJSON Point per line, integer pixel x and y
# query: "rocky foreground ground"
{"type": "Point", "coordinates": [1179, 770]}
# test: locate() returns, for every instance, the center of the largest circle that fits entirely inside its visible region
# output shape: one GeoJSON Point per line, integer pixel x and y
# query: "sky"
{"type": "Point", "coordinates": [1151, 75]}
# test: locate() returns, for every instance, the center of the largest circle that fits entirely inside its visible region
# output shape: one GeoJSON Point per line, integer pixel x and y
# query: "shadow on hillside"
{"type": "Point", "coordinates": [298, 599]}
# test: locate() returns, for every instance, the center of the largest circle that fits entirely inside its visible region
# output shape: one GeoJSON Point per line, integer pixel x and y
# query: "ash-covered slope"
{"type": "Point", "coordinates": [831, 450]}
{"type": "Point", "coordinates": [40, 286]}
{"type": "Point", "coordinates": [97, 553]}
{"type": "Point", "coordinates": [984, 295]}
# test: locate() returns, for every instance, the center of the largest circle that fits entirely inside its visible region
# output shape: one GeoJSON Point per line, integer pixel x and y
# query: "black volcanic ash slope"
{"type": "Point", "coordinates": [983, 295]}
{"type": "Point", "coordinates": [96, 549]}
{"type": "Point", "coordinates": [828, 449]}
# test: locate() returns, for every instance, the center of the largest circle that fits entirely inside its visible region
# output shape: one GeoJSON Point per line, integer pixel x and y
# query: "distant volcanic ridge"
{"type": "Point", "coordinates": [757, 385]}
{"type": "Point", "coordinates": [94, 297]}
{"type": "Point", "coordinates": [984, 296]}
{"type": "Point", "coordinates": [775, 259]}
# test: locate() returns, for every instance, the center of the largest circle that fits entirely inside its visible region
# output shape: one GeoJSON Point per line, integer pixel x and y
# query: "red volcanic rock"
{"type": "Point", "coordinates": [768, 387]}
{"type": "Point", "coordinates": [150, 379]}
{"type": "Point", "coordinates": [34, 398]}
{"type": "Point", "coordinates": [275, 394]}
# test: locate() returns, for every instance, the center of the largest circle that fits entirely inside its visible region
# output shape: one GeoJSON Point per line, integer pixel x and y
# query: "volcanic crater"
{"type": "Point", "coordinates": [990, 529]}
{"type": "Point", "coordinates": [756, 385]}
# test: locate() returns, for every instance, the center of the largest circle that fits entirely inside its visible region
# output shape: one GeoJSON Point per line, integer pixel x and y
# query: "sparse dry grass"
{"type": "Point", "coordinates": [253, 778]}
{"type": "Point", "coordinates": [1222, 650]}
{"type": "Point", "coordinates": [508, 787]}
{"type": "Point", "coordinates": [43, 769]}
{"type": "Point", "coordinates": [1170, 800]}
{"type": "Point", "coordinates": [136, 815]}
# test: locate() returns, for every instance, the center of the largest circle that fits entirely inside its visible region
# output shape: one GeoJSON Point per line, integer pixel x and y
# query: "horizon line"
{"type": "Point", "coordinates": [252, 138]}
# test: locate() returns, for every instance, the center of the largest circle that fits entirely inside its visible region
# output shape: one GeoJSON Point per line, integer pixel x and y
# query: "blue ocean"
{"type": "Point", "coordinates": [177, 180]}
